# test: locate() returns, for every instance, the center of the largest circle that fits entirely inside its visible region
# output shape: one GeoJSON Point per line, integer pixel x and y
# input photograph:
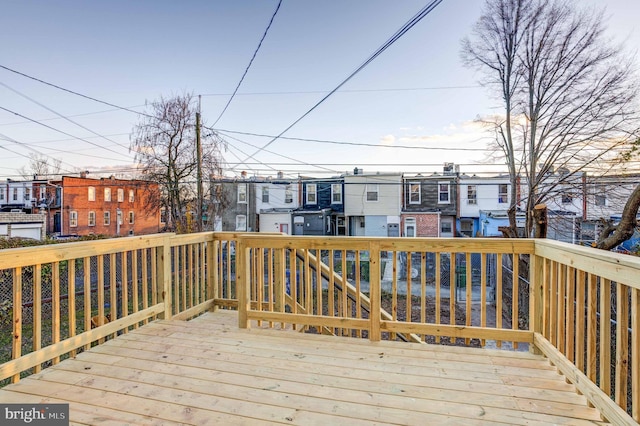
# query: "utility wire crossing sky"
{"type": "Point", "coordinates": [259, 67]}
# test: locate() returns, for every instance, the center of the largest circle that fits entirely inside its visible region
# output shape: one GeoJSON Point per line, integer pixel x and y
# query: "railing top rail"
{"type": "Point", "coordinates": [26, 256]}
{"type": "Point", "coordinates": [436, 245]}
{"type": "Point", "coordinates": [617, 267]}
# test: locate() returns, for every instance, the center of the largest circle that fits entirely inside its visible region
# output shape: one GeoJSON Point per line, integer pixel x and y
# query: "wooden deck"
{"type": "Point", "coordinates": [207, 371]}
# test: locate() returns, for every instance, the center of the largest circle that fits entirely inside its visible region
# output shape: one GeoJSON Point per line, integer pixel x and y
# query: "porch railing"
{"type": "Point", "coordinates": [578, 306]}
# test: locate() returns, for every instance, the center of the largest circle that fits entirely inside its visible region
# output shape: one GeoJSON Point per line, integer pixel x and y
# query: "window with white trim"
{"type": "Point", "coordinates": [444, 192]}
{"type": "Point", "coordinates": [27, 194]}
{"type": "Point", "coordinates": [414, 193]}
{"type": "Point", "coordinates": [107, 194]}
{"type": "Point", "coordinates": [503, 193]}
{"type": "Point", "coordinates": [288, 194]}
{"type": "Point", "coordinates": [120, 195]}
{"type": "Point", "coordinates": [92, 219]}
{"type": "Point", "coordinates": [472, 194]}
{"type": "Point", "coordinates": [410, 227]}
{"type": "Point", "coordinates": [265, 194]}
{"type": "Point", "coordinates": [131, 196]}
{"type": "Point", "coordinates": [312, 193]}
{"type": "Point", "coordinates": [73, 219]}
{"type": "Point", "coordinates": [107, 218]}
{"type": "Point", "coordinates": [91, 193]}
{"type": "Point", "coordinates": [336, 193]}
{"type": "Point", "coordinates": [372, 192]}
{"type": "Point", "coordinates": [241, 222]}
{"type": "Point", "coordinates": [242, 193]}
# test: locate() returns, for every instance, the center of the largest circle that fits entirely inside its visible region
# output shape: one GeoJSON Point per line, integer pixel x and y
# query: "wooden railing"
{"type": "Point", "coordinates": [578, 306]}
{"type": "Point", "coordinates": [586, 320]}
{"type": "Point", "coordinates": [61, 299]}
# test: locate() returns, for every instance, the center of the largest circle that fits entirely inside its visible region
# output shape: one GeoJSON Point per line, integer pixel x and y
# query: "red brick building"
{"type": "Point", "coordinates": [106, 206]}
{"type": "Point", "coordinates": [420, 224]}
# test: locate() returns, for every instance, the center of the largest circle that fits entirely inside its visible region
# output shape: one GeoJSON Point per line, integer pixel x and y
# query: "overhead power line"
{"type": "Point", "coordinates": [60, 131]}
{"type": "Point", "coordinates": [397, 35]}
{"type": "Point", "coordinates": [274, 153]}
{"type": "Point", "coordinates": [62, 116]}
{"type": "Point", "coordinates": [437, 148]}
{"type": "Point", "coordinates": [250, 62]}
{"type": "Point", "coordinates": [73, 92]}
{"type": "Point", "coordinates": [313, 92]}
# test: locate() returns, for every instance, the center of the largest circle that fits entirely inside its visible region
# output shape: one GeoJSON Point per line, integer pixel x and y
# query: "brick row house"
{"type": "Point", "coordinates": [107, 206]}
{"type": "Point", "coordinates": [84, 206]}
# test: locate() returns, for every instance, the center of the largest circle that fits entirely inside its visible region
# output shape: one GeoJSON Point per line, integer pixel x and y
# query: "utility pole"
{"type": "Point", "coordinates": [199, 171]}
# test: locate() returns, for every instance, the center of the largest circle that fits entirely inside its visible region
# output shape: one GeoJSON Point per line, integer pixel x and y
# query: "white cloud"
{"type": "Point", "coordinates": [388, 140]}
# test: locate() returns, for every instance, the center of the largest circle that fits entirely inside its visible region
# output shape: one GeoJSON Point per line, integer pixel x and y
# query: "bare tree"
{"type": "Point", "coordinates": [569, 97]}
{"type": "Point", "coordinates": [41, 166]}
{"type": "Point", "coordinates": [165, 147]}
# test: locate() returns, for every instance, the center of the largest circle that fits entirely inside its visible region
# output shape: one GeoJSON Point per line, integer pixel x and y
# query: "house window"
{"type": "Point", "coordinates": [444, 194]}
{"type": "Point", "coordinates": [119, 217]}
{"type": "Point", "coordinates": [446, 227]}
{"type": "Point", "coordinates": [91, 193]}
{"type": "Point", "coordinates": [241, 222]}
{"type": "Point", "coordinates": [372, 192]}
{"type": "Point", "coordinates": [120, 195]}
{"type": "Point", "coordinates": [410, 227]}
{"type": "Point", "coordinates": [242, 193]}
{"type": "Point", "coordinates": [336, 193]}
{"type": "Point", "coordinates": [414, 193]}
{"type": "Point", "coordinates": [312, 193]}
{"type": "Point", "coordinates": [92, 219]}
{"type": "Point", "coordinates": [288, 194]}
{"type": "Point", "coordinates": [27, 194]}
{"type": "Point", "coordinates": [1, 195]}
{"type": "Point", "coordinates": [567, 198]}
{"type": "Point", "coordinates": [466, 227]}
{"type": "Point", "coordinates": [131, 196]}
{"type": "Point", "coordinates": [107, 218]}
{"type": "Point", "coordinates": [163, 216]}
{"type": "Point", "coordinates": [130, 218]}
{"type": "Point", "coordinates": [503, 193]}
{"type": "Point", "coordinates": [15, 194]}
{"type": "Point", "coordinates": [265, 194]}
{"type": "Point", "coordinates": [107, 194]}
{"type": "Point", "coordinates": [73, 219]}
{"type": "Point", "coordinates": [472, 197]}
{"type": "Point", "coordinates": [43, 192]}
{"type": "Point", "coordinates": [601, 200]}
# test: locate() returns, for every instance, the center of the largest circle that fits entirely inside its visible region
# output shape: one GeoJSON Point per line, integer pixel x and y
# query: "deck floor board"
{"type": "Point", "coordinates": [207, 371]}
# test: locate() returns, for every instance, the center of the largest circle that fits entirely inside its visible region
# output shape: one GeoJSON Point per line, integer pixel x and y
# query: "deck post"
{"type": "Point", "coordinates": [536, 291]}
{"type": "Point", "coordinates": [243, 290]}
{"type": "Point", "coordinates": [280, 279]}
{"type": "Point", "coordinates": [374, 291]}
{"type": "Point", "coordinates": [213, 283]}
{"type": "Point", "coordinates": [163, 264]}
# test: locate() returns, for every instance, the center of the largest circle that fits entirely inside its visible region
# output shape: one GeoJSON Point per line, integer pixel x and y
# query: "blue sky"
{"type": "Point", "coordinates": [128, 53]}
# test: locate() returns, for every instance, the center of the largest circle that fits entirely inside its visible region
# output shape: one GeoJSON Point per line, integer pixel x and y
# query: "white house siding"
{"type": "Point", "coordinates": [487, 191]}
{"type": "Point", "coordinates": [275, 222]}
{"type": "Point", "coordinates": [389, 195]}
{"type": "Point", "coordinates": [277, 195]}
